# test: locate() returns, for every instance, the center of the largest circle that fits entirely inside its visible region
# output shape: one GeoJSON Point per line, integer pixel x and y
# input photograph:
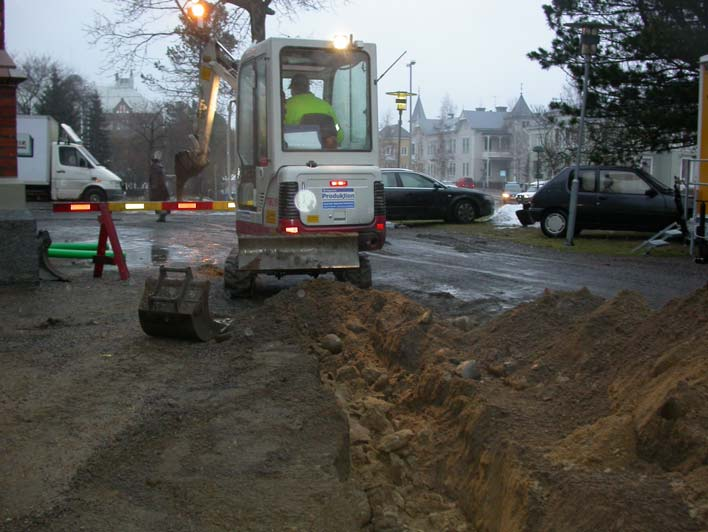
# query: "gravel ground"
{"type": "Point", "coordinates": [105, 428]}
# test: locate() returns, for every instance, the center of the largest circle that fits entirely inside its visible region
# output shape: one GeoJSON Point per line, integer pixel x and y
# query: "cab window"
{"type": "Point", "coordinates": [252, 127]}
{"type": "Point", "coordinates": [69, 156]}
{"type": "Point", "coordinates": [325, 98]}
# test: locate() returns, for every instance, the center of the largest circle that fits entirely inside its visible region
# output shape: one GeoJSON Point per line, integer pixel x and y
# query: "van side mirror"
{"type": "Point", "coordinates": [651, 193]}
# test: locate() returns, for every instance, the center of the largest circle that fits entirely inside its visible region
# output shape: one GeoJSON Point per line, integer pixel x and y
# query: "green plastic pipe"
{"type": "Point", "coordinates": [74, 245]}
{"type": "Point", "coordinates": [75, 253]}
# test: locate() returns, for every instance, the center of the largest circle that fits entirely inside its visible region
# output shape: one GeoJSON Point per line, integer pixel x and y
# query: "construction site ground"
{"type": "Point", "coordinates": [330, 408]}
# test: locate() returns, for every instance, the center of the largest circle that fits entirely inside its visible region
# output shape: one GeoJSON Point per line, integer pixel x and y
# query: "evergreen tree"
{"type": "Point", "coordinates": [95, 131]}
{"type": "Point", "coordinates": [644, 78]}
{"type": "Point", "coordinates": [62, 98]}
{"type": "Point", "coordinates": [56, 102]}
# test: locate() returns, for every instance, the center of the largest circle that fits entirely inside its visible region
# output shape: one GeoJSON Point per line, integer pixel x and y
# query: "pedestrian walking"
{"type": "Point", "coordinates": [158, 184]}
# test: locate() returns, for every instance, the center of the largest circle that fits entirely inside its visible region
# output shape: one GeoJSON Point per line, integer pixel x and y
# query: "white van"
{"type": "Point", "coordinates": [61, 169]}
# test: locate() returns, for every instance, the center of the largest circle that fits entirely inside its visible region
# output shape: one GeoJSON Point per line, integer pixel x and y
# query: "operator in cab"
{"type": "Point", "coordinates": [304, 108]}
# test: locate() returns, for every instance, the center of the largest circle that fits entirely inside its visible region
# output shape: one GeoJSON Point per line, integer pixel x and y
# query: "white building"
{"type": "Point", "coordinates": [122, 97]}
{"type": "Point", "coordinates": [490, 146]}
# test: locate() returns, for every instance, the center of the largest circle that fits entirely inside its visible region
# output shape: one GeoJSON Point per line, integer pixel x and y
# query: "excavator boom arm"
{"type": "Point", "coordinates": [216, 64]}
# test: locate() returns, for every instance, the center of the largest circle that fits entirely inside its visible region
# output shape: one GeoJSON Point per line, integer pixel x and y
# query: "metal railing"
{"type": "Point", "coordinates": [693, 222]}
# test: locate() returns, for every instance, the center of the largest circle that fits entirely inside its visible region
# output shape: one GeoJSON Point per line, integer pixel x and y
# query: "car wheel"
{"type": "Point", "coordinates": [554, 223]}
{"type": "Point", "coordinates": [465, 212]}
{"type": "Point", "coordinates": [94, 195]}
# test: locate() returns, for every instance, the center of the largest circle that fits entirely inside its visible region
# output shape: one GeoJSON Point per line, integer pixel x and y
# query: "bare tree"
{"type": "Point", "coordinates": [38, 69]}
{"type": "Point", "coordinates": [130, 33]}
{"type": "Point", "coordinates": [446, 136]}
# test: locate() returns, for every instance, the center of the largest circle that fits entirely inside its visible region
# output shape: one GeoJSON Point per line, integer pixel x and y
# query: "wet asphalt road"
{"type": "Point", "coordinates": [454, 274]}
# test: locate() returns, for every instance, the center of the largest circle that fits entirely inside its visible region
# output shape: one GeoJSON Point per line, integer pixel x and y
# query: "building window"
{"type": "Point", "coordinates": [466, 145]}
{"type": "Point", "coordinates": [388, 150]}
{"type": "Point", "coordinates": [404, 150]}
{"type": "Point", "coordinates": [465, 169]}
{"type": "Point", "coordinates": [413, 148]}
{"type": "Point", "coordinates": [451, 169]}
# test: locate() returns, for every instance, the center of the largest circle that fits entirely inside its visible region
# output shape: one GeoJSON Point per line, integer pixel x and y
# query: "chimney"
{"type": "Point", "coordinates": [501, 109]}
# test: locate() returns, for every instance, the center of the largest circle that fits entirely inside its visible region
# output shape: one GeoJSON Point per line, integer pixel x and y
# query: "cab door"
{"type": "Point", "coordinates": [71, 173]}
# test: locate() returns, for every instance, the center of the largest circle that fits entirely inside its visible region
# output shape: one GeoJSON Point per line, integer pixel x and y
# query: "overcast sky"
{"type": "Point", "coordinates": [472, 50]}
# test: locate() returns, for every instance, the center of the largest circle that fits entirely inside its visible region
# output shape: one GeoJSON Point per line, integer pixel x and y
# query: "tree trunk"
{"type": "Point", "coordinates": [257, 11]}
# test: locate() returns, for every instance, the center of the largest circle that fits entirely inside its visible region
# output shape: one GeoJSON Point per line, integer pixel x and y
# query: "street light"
{"type": "Point", "coordinates": [401, 99]}
{"type": "Point", "coordinates": [410, 91]}
{"type": "Point", "coordinates": [589, 39]}
{"type": "Point", "coordinates": [538, 150]}
{"type": "Point", "coordinates": [197, 11]}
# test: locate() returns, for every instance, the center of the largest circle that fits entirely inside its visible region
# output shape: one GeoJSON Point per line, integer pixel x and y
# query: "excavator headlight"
{"type": "Point", "coordinates": [341, 42]}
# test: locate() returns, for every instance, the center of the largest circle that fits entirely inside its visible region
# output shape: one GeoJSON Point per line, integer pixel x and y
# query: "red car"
{"type": "Point", "coordinates": [465, 182]}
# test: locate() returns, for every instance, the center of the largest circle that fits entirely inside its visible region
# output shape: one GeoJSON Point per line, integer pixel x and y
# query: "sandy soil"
{"type": "Point", "coordinates": [332, 408]}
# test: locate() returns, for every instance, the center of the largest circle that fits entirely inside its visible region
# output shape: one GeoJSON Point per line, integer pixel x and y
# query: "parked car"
{"type": "Point", "coordinates": [609, 197]}
{"type": "Point", "coordinates": [465, 182]}
{"type": "Point", "coordinates": [531, 189]}
{"type": "Point", "coordinates": [415, 196]}
{"type": "Point", "coordinates": [511, 189]}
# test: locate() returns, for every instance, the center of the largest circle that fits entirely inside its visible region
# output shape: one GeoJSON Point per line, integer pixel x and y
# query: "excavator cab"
{"type": "Point", "coordinates": [310, 196]}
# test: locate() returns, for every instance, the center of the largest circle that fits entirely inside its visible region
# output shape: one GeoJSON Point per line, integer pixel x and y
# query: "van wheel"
{"type": "Point", "coordinates": [94, 195]}
{"type": "Point", "coordinates": [554, 223]}
{"type": "Point", "coordinates": [465, 212]}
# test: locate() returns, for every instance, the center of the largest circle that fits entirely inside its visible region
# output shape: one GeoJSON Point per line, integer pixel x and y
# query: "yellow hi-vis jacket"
{"type": "Point", "coordinates": [305, 104]}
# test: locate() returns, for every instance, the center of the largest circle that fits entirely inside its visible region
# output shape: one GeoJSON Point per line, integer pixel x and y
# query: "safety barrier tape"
{"type": "Point", "coordinates": [114, 206]}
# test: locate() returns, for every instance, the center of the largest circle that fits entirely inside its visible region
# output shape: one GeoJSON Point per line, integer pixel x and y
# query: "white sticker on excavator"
{"type": "Point", "coordinates": [338, 198]}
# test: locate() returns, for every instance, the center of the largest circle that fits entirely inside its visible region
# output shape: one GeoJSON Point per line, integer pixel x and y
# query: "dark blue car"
{"type": "Point", "coordinates": [609, 197]}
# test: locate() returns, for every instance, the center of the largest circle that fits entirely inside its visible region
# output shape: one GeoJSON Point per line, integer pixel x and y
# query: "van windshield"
{"type": "Point", "coordinates": [89, 156]}
{"type": "Point", "coordinates": [325, 98]}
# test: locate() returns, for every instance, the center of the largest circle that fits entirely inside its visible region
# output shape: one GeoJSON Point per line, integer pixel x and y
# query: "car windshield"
{"type": "Point", "coordinates": [655, 182]}
{"type": "Point", "coordinates": [325, 94]}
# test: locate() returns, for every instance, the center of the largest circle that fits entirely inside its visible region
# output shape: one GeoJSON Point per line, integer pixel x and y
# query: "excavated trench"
{"type": "Point", "coordinates": [566, 413]}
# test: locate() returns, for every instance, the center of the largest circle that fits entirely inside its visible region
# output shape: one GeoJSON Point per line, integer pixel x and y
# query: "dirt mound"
{"type": "Point", "coordinates": [566, 413]}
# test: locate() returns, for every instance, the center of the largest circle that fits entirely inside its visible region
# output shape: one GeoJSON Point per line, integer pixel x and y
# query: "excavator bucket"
{"type": "Point", "coordinates": [177, 308]}
{"type": "Point", "coordinates": [298, 252]}
{"type": "Point", "coordinates": [187, 166]}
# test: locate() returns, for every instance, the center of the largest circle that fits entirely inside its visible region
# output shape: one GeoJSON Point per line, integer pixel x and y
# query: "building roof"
{"type": "Point", "coordinates": [484, 119]}
{"type": "Point", "coordinates": [521, 109]}
{"type": "Point", "coordinates": [122, 92]}
{"type": "Point", "coordinates": [480, 118]}
{"type": "Point", "coordinates": [391, 132]}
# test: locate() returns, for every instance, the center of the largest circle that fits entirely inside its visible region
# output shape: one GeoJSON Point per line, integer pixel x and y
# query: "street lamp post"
{"type": "Point", "coordinates": [410, 92]}
{"type": "Point", "coordinates": [589, 39]}
{"type": "Point", "coordinates": [401, 99]}
{"type": "Point", "coordinates": [538, 150]}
